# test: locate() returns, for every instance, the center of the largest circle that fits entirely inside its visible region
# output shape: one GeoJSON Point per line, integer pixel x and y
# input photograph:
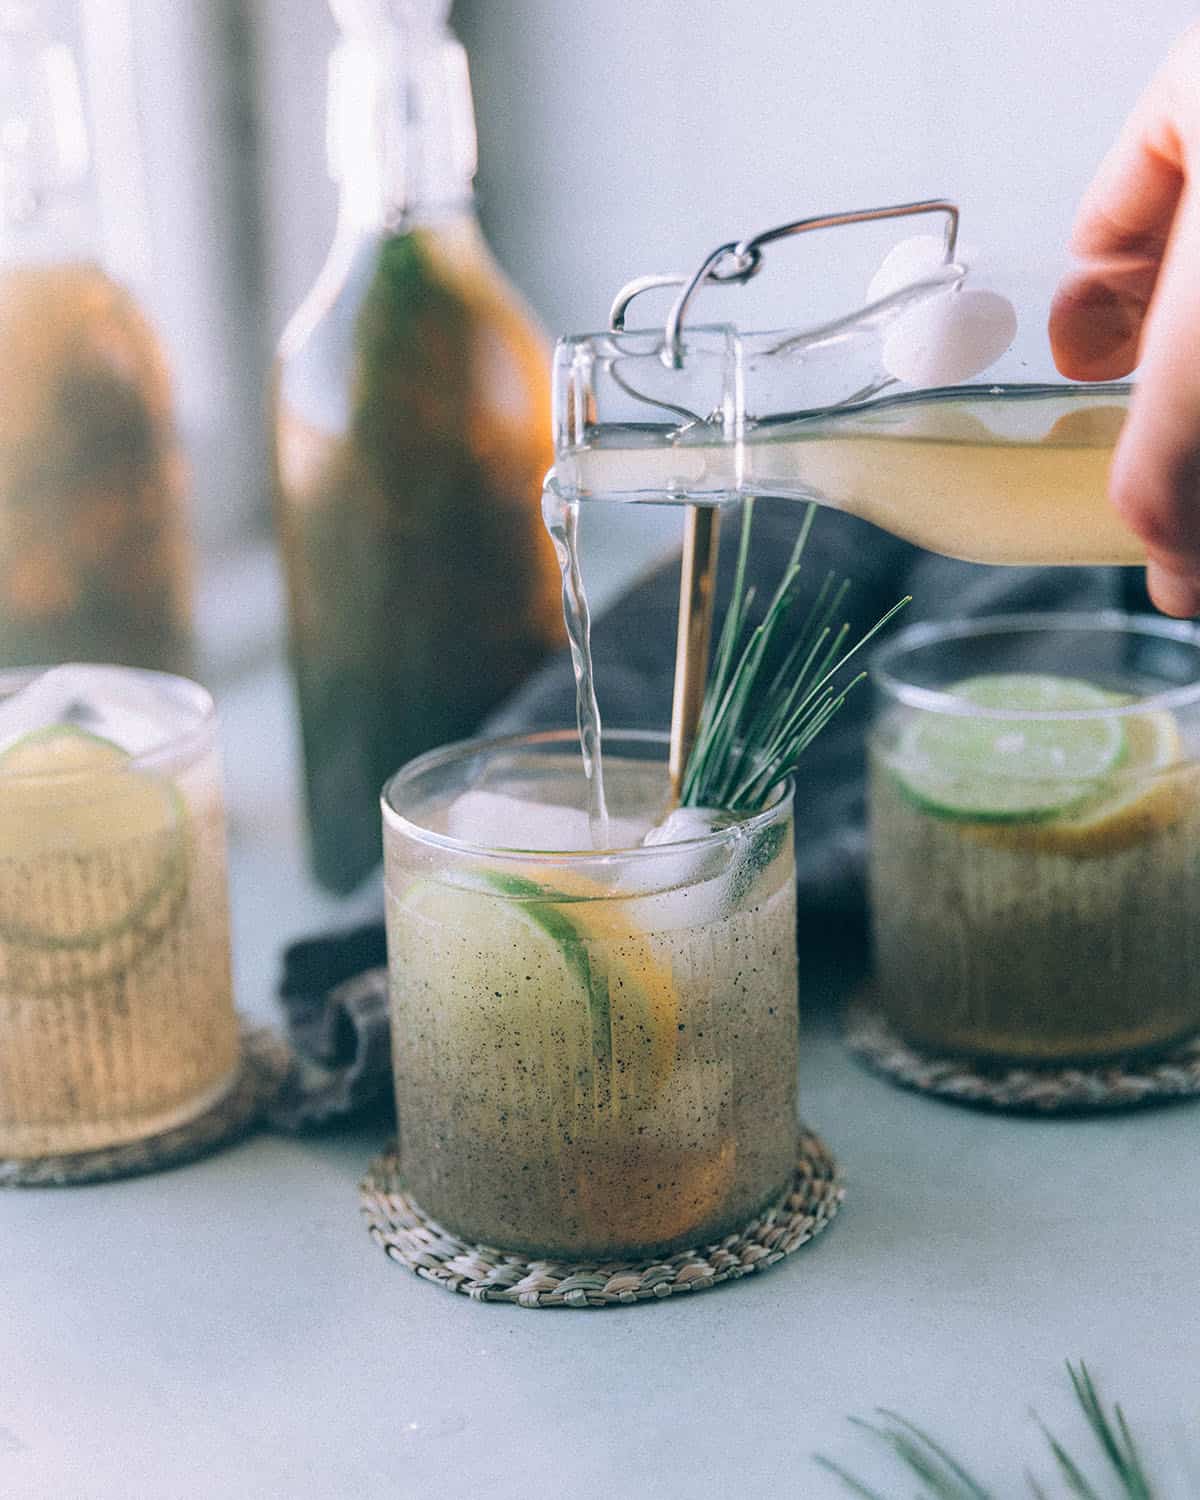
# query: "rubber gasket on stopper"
{"type": "Point", "coordinates": [264, 1064]}
{"type": "Point", "coordinates": [1168, 1077]}
{"type": "Point", "coordinates": [486, 1274]}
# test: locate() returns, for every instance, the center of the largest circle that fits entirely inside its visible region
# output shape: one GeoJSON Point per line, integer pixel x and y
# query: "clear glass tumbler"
{"type": "Point", "coordinates": [116, 1009]}
{"type": "Point", "coordinates": [1035, 836]}
{"type": "Point", "coordinates": [595, 1051]}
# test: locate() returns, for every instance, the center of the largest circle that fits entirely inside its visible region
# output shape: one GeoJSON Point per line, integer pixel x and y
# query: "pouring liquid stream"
{"type": "Point", "coordinates": [562, 521]}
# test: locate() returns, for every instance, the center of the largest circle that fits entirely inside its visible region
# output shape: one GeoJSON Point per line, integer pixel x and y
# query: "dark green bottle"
{"type": "Point", "coordinates": [411, 435]}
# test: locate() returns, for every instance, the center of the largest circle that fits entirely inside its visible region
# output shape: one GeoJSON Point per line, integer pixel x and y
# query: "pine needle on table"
{"type": "Point", "coordinates": [945, 1478]}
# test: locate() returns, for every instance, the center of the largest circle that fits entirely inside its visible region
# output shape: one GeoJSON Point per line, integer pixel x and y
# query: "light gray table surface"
{"type": "Point", "coordinates": [228, 1331]}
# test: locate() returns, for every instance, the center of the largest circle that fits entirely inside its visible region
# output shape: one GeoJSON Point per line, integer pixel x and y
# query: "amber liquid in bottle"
{"type": "Point", "coordinates": [94, 556]}
{"type": "Point", "coordinates": [94, 561]}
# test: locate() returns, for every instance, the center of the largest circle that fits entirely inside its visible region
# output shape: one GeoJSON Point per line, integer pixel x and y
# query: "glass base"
{"type": "Point", "coordinates": [991, 1050]}
{"type": "Point", "coordinates": [66, 1138]}
{"type": "Point", "coordinates": [550, 1242]}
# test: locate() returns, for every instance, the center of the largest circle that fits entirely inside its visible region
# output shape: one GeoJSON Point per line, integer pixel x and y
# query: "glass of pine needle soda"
{"type": "Point", "coordinates": [594, 1047]}
{"type": "Point", "coordinates": [1035, 836]}
{"type": "Point", "coordinates": [116, 1009]}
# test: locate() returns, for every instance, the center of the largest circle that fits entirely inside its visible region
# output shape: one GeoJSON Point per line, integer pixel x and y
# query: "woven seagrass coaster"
{"type": "Point", "coordinates": [265, 1062]}
{"type": "Point", "coordinates": [488, 1275]}
{"type": "Point", "coordinates": [1172, 1075]}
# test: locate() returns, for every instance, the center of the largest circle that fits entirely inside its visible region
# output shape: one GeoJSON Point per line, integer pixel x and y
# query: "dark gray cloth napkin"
{"type": "Point", "coordinates": [334, 998]}
{"type": "Point", "coordinates": [333, 991]}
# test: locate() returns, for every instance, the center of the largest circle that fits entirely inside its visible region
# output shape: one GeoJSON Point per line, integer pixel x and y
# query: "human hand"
{"type": "Point", "coordinates": [1134, 299]}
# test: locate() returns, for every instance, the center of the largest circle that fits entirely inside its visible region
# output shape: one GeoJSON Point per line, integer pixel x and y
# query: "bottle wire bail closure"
{"type": "Point", "coordinates": [739, 261]}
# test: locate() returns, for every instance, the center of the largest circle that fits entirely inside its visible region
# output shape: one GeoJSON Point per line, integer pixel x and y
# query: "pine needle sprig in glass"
{"type": "Point", "coordinates": [755, 722]}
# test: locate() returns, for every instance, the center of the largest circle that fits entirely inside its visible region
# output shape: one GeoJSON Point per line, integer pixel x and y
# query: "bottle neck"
{"type": "Point", "coordinates": [401, 136]}
{"type": "Point", "coordinates": [47, 192]}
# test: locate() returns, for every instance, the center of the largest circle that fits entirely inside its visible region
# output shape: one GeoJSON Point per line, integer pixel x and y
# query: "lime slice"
{"type": "Point", "coordinates": [556, 957]}
{"type": "Point", "coordinates": [1152, 789]}
{"type": "Point", "coordinates": [1010, 770]}
{"type": "Point", "coordinates": [93, 852]}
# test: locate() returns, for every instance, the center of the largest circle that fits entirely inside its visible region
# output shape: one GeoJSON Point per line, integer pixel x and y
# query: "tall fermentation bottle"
{"type": "Point", "coordinates": [411, 433]}
{"type": "Point", "coordinates": [94, 554]}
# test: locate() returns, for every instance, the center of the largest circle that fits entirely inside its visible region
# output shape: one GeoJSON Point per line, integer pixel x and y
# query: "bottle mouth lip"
{"type": "Point", "coordinates": [400, 120]}
{"type": "Point", "coordinates": [890, 679]}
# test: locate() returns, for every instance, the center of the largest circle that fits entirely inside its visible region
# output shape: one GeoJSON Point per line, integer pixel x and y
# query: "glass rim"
{"type": "Point", "coordinates": [458, 750]}
{"type": "Point", "coordinates": [1108, 621]}
{"type": "Point", "coordinates": [179, 749]}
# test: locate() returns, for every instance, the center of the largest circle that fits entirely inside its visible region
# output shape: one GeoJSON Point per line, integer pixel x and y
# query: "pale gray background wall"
{"type": "Point", "coordinates": [623, 135]}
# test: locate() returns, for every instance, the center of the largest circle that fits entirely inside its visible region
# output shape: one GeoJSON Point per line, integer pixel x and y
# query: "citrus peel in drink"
{"type": "Point", "coordinates": [581, 960]}
{"type": "Point", "coordinates": [106, 839]}
{"type": "Point", "coordinates": [1088, 783]}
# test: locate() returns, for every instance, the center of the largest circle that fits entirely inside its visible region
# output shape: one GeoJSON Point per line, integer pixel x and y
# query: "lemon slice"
{"type": "Point", "coordinates": [632, 991]}
{"type": "Point", "coordinates": [1143, 798]}
{"type": "Point", "coordinates": [557, 954]}
{"type": "Point", "coordinates": [1011, 770]}
{"type": "Point", "coordinates": [92, 850]}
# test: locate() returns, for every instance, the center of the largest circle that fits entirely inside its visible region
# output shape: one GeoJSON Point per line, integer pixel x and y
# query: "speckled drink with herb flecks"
{"type": "Point", "coordinates": [595, 1054]}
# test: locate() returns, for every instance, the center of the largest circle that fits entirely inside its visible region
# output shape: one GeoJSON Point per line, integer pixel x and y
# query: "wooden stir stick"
{"type": "Point", "coordinates": [697, 587]}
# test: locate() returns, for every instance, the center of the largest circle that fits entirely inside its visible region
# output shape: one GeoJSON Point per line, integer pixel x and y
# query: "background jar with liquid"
{"type": "Point", "coordinates": [95, 560]}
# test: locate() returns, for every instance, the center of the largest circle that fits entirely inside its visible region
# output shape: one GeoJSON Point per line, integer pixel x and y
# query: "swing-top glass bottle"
{"type": "Point", "coordinates": [411, 429]}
